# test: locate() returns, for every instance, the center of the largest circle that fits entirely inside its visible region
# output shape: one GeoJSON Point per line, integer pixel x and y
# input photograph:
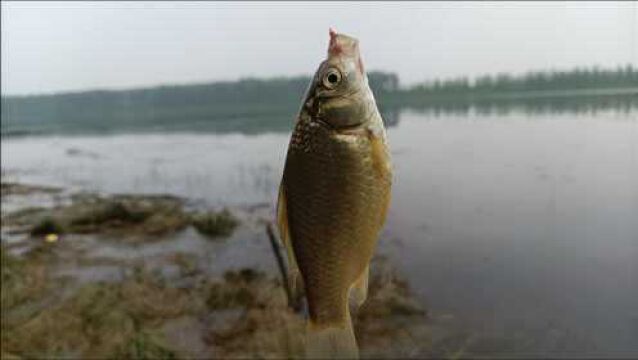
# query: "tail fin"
{"type": "Point", "coordinates": [332, 342]}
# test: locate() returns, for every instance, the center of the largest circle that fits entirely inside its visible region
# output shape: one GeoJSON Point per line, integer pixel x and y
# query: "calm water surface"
{"type": "Point", "coordinates": [524, 227]}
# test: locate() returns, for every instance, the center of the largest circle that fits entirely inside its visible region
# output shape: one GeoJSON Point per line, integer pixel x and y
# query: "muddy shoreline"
{"type": "Point", "coordinates": [147, 276]}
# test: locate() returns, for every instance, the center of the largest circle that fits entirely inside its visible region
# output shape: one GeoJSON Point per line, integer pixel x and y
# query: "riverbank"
{"type": "Point", "coordinates": [142, 276]}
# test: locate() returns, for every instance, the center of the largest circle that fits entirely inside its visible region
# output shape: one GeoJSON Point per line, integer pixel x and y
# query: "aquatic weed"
{"type": "Point", "coordinates": [214, 225]}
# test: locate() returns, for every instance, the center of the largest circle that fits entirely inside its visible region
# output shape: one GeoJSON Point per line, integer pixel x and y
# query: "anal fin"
{"type": "Point", "coordinates": [359, 289]}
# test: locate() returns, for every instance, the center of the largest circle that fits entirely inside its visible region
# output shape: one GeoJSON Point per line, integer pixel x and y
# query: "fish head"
{"type": "Point", "coordinates": [339, 95]}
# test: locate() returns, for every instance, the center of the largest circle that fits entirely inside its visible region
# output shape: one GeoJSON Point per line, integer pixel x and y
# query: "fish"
{"type": "Point", "coordinates": [334, 196]}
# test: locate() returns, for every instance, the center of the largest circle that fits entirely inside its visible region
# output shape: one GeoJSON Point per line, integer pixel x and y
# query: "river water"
{"type": "Point", "coordinates": [524, 227]}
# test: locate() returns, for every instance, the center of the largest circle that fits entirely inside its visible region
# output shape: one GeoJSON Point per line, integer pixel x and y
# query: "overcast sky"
{"type": "Point", "coordinates": [61, 46]}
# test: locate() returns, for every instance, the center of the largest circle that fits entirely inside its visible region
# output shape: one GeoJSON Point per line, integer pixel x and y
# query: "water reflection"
{"type": "Point", "coordinates": [522, 224]}
{"type": "Point", "coordinates": [281, 120]}
{"type": "Point", "coordinates": [578, 105]}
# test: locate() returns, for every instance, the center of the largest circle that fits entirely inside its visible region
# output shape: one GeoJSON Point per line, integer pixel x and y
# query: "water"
{"type": "Point", "coordinates": [523, 226]}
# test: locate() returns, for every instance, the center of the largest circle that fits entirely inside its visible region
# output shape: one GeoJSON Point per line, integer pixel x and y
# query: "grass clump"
{"type": "Point", "coordinates": [23, 287]}
{"type": "Point", "coordinates": [264, 333]}
{"type": "Point", "coordinates": [100, 320]}
{"type": "Point", "coordinates": [266, 326]}
{"type": "Point", "coordinates": [392, 323]}
{"type": "Point", "coordinates": [238, 290]}
{"type": "Point", "coordinates": [151, 215]}
{"type": "Point", "coordinates": [115, 215]}
{"type": "Point", "coordinates": [21, 281]}
{"type": "Point", "coordinates": [215, 224]}
{"type": "Point", "coordinates": [390, 296]}
{"type": "Point", "coordinates": [111, 212]}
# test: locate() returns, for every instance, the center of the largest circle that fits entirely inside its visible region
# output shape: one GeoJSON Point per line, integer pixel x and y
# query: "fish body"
{"type": "Point", "coordinates": [334, 195]}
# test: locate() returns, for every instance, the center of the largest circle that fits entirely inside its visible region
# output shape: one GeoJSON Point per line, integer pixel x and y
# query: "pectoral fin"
{"type": "Point", "coordinates": [380, 155]}
{"type": "Point", "coordinates": [383, 166]}
{"type": "Point", "coordinates": [284, 232]}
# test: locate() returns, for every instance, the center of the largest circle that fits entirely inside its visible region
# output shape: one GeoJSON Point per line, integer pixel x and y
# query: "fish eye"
{"type": "Point", "coordinates": [332, 78]}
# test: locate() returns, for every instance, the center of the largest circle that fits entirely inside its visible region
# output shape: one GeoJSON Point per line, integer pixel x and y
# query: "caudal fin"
{"type": "Point", "coordinates": [333, 342]}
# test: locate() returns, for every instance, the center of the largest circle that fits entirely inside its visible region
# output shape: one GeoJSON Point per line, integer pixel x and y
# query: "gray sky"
{"type": "Point", "coordinates": [62, 46]}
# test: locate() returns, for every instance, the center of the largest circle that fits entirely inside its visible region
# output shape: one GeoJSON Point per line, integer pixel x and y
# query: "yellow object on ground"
{"type": "Point", "coordinates": [51, 238]}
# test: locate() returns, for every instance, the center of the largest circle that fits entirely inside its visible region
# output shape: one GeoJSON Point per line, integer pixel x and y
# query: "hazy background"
{"type": "Point", "coordinates": [514, 197]}
{"type": "Point", "coordinates": [61, 46]}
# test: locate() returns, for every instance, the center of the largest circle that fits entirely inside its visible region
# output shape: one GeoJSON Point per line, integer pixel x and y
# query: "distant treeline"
{"type": "Point", "coordinates": [577, 90]}
{"type": "Point", "coordinates": [261, 104]}
{"type": "Point", "coordinates": [594, 78]}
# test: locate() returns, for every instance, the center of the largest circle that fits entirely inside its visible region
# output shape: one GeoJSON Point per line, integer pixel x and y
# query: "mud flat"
{"type": "Point", "coordinates": [139, 276]}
